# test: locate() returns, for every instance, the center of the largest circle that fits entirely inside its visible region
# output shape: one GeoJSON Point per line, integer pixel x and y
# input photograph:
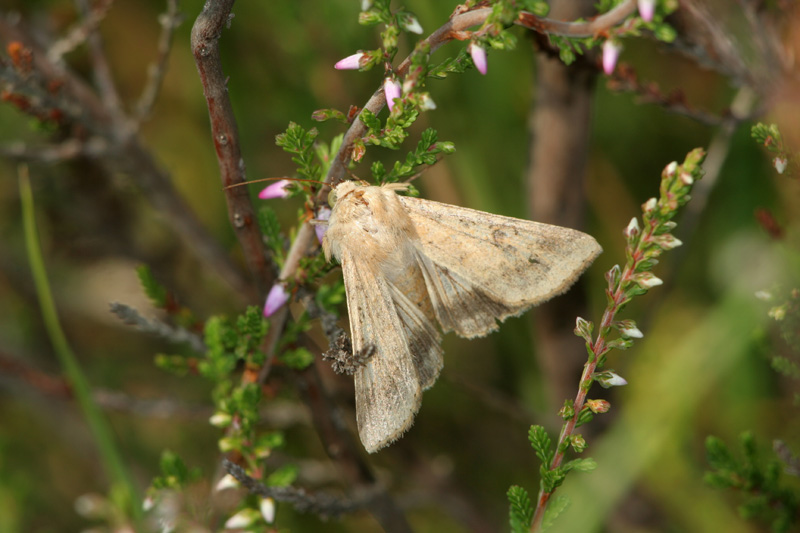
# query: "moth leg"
{"type": "Point", "coordinates": [344, 360]}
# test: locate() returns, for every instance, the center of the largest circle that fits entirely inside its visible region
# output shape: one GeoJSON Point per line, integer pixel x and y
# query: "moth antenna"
{"type": "Point", "coordinates": [271, 179]}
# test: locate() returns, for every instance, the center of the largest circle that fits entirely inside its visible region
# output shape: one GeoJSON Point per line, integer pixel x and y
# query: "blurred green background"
{"type": "Point", "coordinates": [700, 370]}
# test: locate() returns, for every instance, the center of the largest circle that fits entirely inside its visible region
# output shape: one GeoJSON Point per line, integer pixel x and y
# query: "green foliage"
{"type": "Point", "coordinates": [271, 228]}
{"type": "Point", "coordinates": [521, 510]}
{"type": "Point", "coordinates": [425, 154]}
{"type": "Point", "coordinates": [330, 297]}
{"type": "Point", "coordinates": [452, 65]}
{"type": "Point", "coordinates": [174, 473]}
{"type": "Point", "coordinates": [766, 497]}
{"type": "Point", "coordinates": [298, 358]}
{"type": "Point", "coordinates": [295, 140]}
{"type": "Point", "coordinates": [541, 443]}
{"type": "Point", "coordinates": [177, 365]}
{"type": "Point", "coordinates": [768, 135]}
{"type": "Point", "coordinates": [228, 343]}
{"type": "Point", "coordinates": [152, 288]}
{"type": "Point", "coordinates": [283, 476]}
{"type": "Point", "coordinates": [555, 507]}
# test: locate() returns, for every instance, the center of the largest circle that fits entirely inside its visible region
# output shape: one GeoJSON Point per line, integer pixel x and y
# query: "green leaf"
{"type": "Point", "coordinates": [521, 510]}
{"type": "Point", "coordinates": [152, 288]}
{"type": "Point", "coordinates": [175, 364]}
{"type": "Point", "coordinates": [299, 358]}
{"type": "Point", "coordinates": [541, 443]}
{"type": "Point", "coordinates": [283, 476]}
{"type": "Point", "coordinates": [581, 465]}
{"type": "Point", "coordinates": [555, 507]}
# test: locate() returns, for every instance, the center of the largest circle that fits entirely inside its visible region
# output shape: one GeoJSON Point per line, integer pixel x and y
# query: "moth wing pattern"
{"type": "Point", "coordinates": [407, 357]}
{"type": "Point", "coordinates": [480, 267]}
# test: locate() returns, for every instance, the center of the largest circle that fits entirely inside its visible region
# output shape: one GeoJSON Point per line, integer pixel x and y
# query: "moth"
{"type": "Point", "coordinates": [409, 264]}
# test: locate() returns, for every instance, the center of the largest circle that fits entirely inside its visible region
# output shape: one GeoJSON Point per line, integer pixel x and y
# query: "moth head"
{"type": "Point", "coordinates": [340, 191]}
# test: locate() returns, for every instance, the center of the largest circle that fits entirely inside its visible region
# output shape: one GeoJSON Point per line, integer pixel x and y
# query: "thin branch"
{"type": "Point", "coordinates": [320, 503]}
{"type": "Point", "coordinates": [78, 35]}
{"type": "Point", "coordinates": [100, 67]}
{"type": "Point", "coordinates": [131, 317]}
{"type": "Point", "coordinates": [590, 28]}
{"type": "Point", "coordinates": [54, 153]}
{"type": "Point", "coordinates": [625, 79]}
{"type": "Point", "coordinates": [169, 23]}
{"type": "Point", "coordinates": [205, 47]}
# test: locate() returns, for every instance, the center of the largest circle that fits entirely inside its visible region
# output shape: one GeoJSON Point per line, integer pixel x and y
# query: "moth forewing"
{"type": "Point", "coordinates": [390, 312]}
{"type": "Point", "coordinates": [406, 261]}
{"type": "Point", "coordinates": [493, 265]}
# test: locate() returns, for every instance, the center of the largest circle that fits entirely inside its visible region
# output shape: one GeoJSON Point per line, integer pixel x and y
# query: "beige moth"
{"type": "Point", "coordinates": [409, 264]}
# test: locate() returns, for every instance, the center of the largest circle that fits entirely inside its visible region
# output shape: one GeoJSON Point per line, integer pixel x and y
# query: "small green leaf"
{"type": "Point", "coordinates": [299, 358]}
{"type": "Point", "coordinates": [521, 510]}
{"type": "Point", "coordinates": [581, 465]}
{"type": "Point", "coordinates": [541, 443]}
{"type": "Point", "coordinates": [555, 507]}
{"type": "Point", "coordinates": [152, 288]}
{"type": "Point", "coordinates": [283, 476]}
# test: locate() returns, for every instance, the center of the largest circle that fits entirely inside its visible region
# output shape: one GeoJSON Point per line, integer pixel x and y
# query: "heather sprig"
{"type": "Point", "coordinates": [758, 481]}
{"type": "Point", "coordinates": [645, 242]}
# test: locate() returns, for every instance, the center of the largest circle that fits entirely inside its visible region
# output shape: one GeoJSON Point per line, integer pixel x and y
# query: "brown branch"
{"type": "Point", "coordinates": [590, 28]}
{"type": "Point", "coordinates": [205, 47]}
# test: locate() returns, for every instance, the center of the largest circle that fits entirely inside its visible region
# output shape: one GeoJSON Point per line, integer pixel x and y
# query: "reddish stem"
{"type": "Point", "coordinates": [598, 348]}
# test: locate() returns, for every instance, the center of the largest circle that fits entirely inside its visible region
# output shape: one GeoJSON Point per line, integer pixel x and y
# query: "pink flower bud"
{"type": "Point", "coordinates": [391, 89]}
{"type": "Point", "coordinates": [323, 214]}
{"type": "Point", "coordinates": [276, 298]}
{"type": "Point", "coordinates": [478, 54]}
{"type": "Point", "coordinates": [647, 9]}
{"type": "Point", "coordinates": [633, 228]}
{"type": "Point", "coordinates": [352, 62]}
{"type": "Point", "coordinates": [276, 190]}
{"type": "Point", "coordinates": [611, 50]}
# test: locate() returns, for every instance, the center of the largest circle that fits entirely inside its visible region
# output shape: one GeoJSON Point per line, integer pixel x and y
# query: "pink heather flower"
{"type": "Point", "coordinates": [352, 62]}
{"type": "Point", "coordinates": [392, 89]}
{"type": "Point", "coordinates": [276, 190]}
{"type": "Point", "coordinates": [324, 213]}
{"type": "Point", "coordinates": [646, 9]}
{"type": "Point", "coordinates": [780, 164]}
{"type": "Point", "coordinates": [275, 299]}
{"type": "Point", "coordinates": [611, 50]}
{"type": "Point", "coordinates": [478, 54]}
